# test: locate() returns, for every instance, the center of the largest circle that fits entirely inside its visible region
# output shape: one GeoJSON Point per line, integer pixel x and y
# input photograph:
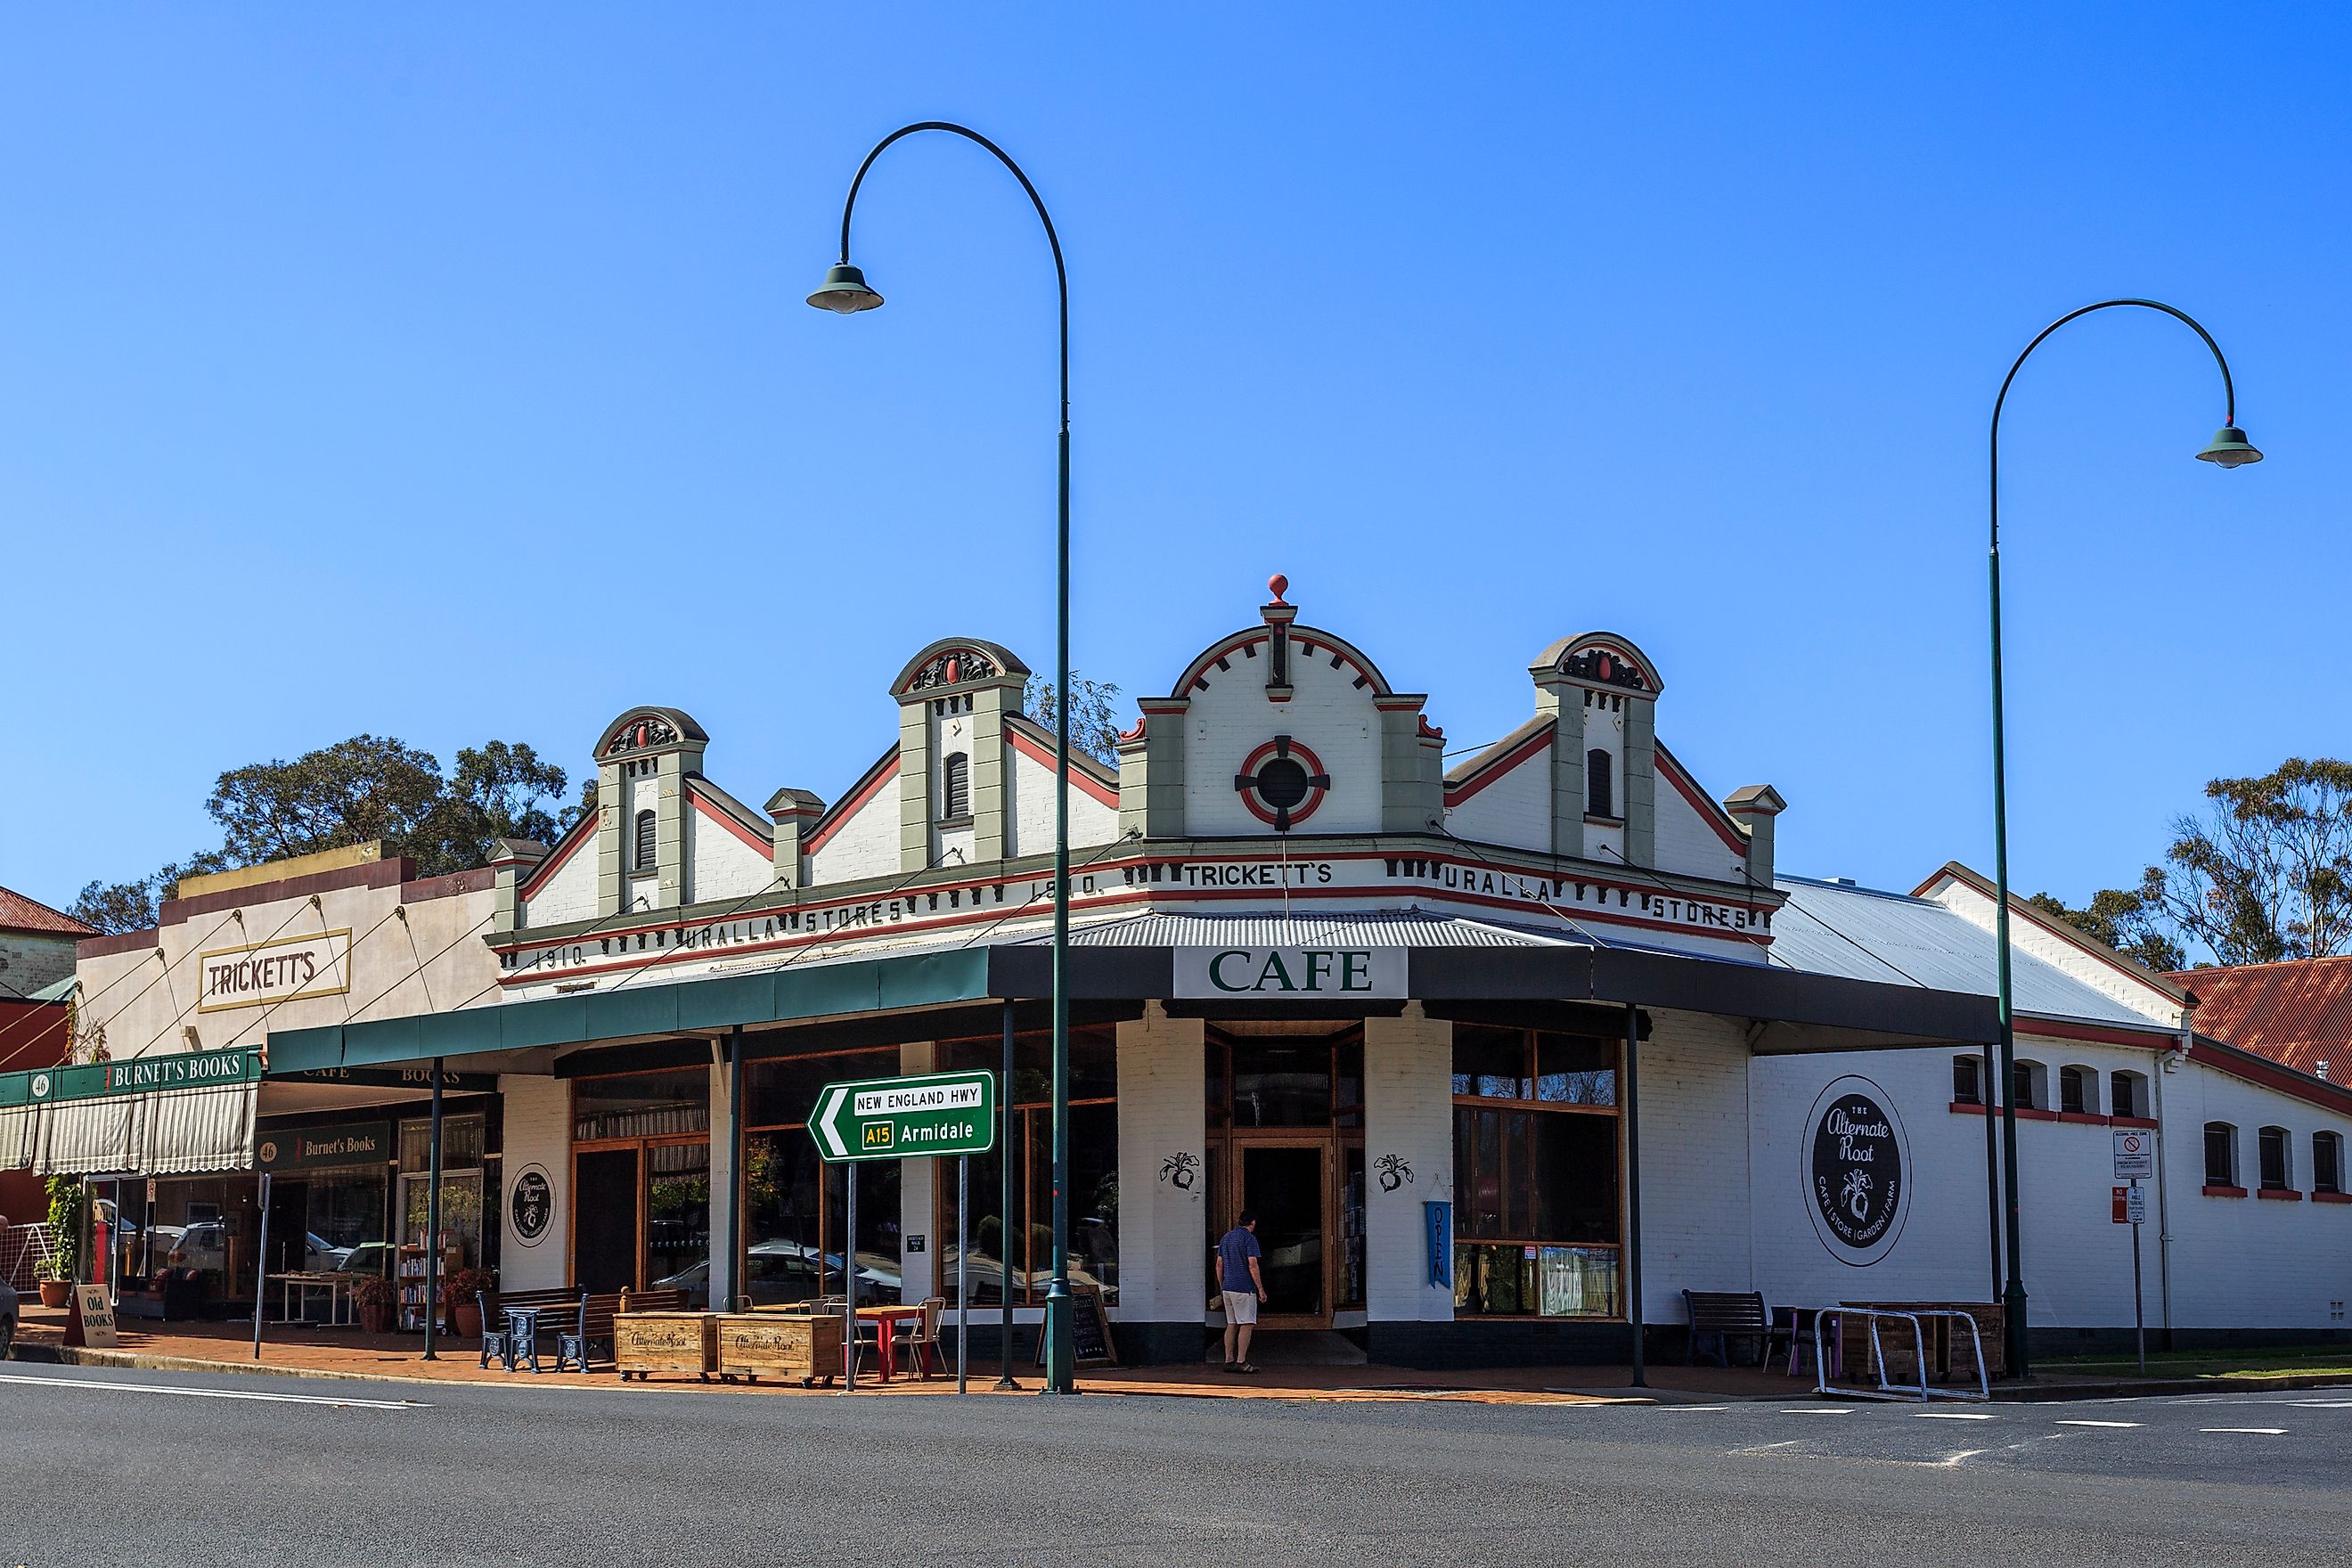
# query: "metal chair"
{"type": "Point", "coordinates": [496, 1342]}
{"type": "Point", "coordinates": [922, 1337]}
{"type": "Point", "coordinates": [573, 1346]}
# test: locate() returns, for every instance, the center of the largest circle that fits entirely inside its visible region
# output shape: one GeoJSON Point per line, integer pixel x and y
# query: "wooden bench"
{"type": "Point", "coordinates": [579, 1337]}
{"type": "Point", "coordinates": [1726, 1315]}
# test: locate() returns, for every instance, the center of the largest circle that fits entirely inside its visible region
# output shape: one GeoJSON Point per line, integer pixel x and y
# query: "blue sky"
{"type": "Point", "coordinates": [445, 375]}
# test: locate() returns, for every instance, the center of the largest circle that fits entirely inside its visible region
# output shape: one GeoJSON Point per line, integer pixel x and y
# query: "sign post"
{"type": "Point", "coordinates": [2135, 1158]}
{"type": "Point", "coordinates": [921, 1116]}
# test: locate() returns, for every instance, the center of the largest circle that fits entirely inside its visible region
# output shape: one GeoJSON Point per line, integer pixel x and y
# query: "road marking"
{"type": "Point", "coordinates": [1765, 1447]}
{"type": "Point", "coordinates": [2258, 1431]}
{"type": "Point", "coordinates": [2098, 1423]}
{"type": "Point", "coordinates": [2323, 1404]}
{"type": "Point", "coordinates": [215, 1393]}
{"type": "Point", "coordinates": [1952, 1461]}
{"type": "Point", "coordinates": [1815, 1410]}
{"type": "Point", "coordinates": [1694, 1408]}
{"type": "Point", "coordinates": [1955, 1416]}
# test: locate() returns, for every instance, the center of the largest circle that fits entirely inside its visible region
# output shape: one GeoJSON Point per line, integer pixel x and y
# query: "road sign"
{"type": "Point", "coordinates": [2135, 1205]}
{"type": "Point", "coordinates": [2135, 1154]}
{"type": "Point", "coordinates": [2120, 1198]}
{"type": "Point", "coordinates": [896, 1118]}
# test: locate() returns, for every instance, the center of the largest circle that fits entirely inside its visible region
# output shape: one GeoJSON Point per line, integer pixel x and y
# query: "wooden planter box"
{"type": "Point", "coordinates": [1949, 1359]}
{"type": "Point", "coordinates": [647, 1342]}
{"type": "Point", "coordinates": [779, 1344]}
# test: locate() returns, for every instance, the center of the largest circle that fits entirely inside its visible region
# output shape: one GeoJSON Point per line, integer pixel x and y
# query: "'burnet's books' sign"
{"type": "Point", "coordinates": [1290, 974]}
{"type": "Point", "coordinates": [224, 1068]}
{"type": "Point", "coordinates": [279, 971]}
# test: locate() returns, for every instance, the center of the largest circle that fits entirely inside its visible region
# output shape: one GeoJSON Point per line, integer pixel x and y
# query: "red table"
{"type": "Point", "coordinates": [886, 1321]}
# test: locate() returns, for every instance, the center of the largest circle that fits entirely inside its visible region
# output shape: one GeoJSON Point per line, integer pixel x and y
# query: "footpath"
{"type": "Point", "coordinates": [312, 1351]}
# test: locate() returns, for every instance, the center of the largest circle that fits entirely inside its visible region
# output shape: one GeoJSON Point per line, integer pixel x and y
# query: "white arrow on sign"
{"type": "Point", "coordinates": [825, 1112]}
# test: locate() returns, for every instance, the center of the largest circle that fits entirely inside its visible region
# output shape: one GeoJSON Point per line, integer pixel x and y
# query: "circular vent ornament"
{"type": "Point", "coordinates": [1282, 784]}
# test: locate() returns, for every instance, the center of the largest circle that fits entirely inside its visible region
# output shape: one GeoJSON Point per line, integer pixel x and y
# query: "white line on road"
{"type": "Point", "coordinates": [215, 1393]}
{"type": "Point", "coordinates": [1694, 1408]}
{"type": "Point", "coordinates": [2258, 1431]}
{"type": "Point", "coordinates": [2098, 1423]}
{"type": "Point", "coordinates": [1955, 1416]}
{"type": "Point", "coordinates": [2323, 1404]}
{"type": "Point", "coordinates": [1816, 1410]}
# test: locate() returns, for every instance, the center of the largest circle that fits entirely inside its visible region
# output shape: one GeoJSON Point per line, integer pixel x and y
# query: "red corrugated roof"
{"type": "Point", "coordinates": [2298, 1014]}
{"type": "Point", "coordinates": [19, 913]}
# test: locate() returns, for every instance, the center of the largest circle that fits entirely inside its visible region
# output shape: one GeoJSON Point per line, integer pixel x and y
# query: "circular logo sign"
{"type": "Point", "coordinates": [1281, 783]}
{"type": "Point", "coordinates": [531, 1204]}
{"type": "Point", "coordinates": [1857, 1170]}
{"type": "Point", "coordinates": [268, 1152]}
{"type": "Point", "coordinates": [40, 1086]}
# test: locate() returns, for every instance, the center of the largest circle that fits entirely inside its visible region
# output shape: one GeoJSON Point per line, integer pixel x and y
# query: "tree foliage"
{"type": "Point", "coordinates": [367, 787]}
{"type": "Point", "coordinates": [1094, 713]}
{"type": "Point", "coordinates": [2262, 873]}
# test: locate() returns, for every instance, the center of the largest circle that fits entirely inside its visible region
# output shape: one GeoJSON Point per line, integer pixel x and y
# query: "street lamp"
{"type": "Point", "coordinates": [2230, 449]}
{"type": "Point", "coordinates": [846, 291]}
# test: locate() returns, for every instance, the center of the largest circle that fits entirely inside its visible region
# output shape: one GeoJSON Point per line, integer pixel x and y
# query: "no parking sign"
{"type": "Point", "coordinates": [2135, 1154]}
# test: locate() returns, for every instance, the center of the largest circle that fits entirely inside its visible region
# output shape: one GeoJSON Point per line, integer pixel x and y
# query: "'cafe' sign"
{"type": "Point", "coordinates": [1290, 974]}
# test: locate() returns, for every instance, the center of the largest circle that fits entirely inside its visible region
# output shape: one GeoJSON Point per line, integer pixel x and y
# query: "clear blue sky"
{"type": "Point", "coordinates": [446, 375]}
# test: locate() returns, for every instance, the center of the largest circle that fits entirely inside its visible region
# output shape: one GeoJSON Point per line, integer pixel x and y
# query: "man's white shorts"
{"type": "Point", "coordinates": [1241, 1307]}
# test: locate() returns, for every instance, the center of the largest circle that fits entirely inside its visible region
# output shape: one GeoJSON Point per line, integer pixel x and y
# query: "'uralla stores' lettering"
{"type": "Point", "coordinates": [1330, 971]}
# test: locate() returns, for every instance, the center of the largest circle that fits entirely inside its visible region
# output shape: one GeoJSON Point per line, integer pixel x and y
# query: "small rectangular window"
{"type": "Point", "coordinates": [2123, 1093]}
{"type": "Point", "coordinates": [2272, 1145]}
{"type": "Point", "coordinates": [2070, 1090]}
{"type": "Point", "coordinates": [2326, 1163]}
{"type": "Point", "coordinates": [1966, 1081]}
{"type": "Point", "coordinates": [2221, 1156]}
{"type": "Point", "coordinates": [2020, 1088]}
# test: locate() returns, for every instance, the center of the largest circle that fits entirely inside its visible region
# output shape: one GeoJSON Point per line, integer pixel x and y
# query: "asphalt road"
{"type": "Point", "coordinates": [263, 1470]}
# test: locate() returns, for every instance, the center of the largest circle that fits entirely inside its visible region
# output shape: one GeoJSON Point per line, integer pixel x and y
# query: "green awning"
{"type": "Point", "coordinates": [693, 1006]}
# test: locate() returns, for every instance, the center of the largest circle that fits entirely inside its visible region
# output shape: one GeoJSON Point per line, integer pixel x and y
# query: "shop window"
{"type": "Point", "coordinates": [2220, 1155]}
{"type": "Point", "coordinates": [955, 787]}
{"type": "Point", "coordinates": [2326, 1163]}
{"type": "Point", "coordinates": [2030, 1087]}
{"type": "Point", "coordinates": [640, 1105]}
{"type": "Point", "coordinates": [795, 1208]}
{"type": "Point", "coordinates": [2078, 1090]}
{"type": "Point", "coordinates": [1968, 1081]}
{"type": "Point", "coordinates": [2271, 1146]}
{"type": "Point", "coordinates": [1536, 1173]}
{"type": "Point", "coordinates": [2127, 1095]}
{"type": "Point", "coordinates": [1019, 1257]}
{"type": "Point", "coordinates": [1599, 800]}
{"type": "Point", "coordinates": [645, 859]}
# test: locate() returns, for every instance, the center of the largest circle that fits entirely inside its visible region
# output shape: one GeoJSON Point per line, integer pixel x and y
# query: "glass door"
{"type": "Point", "coordinates": [604, 1219]}
{"type": "Point", "coordinates": [1287, 1185]}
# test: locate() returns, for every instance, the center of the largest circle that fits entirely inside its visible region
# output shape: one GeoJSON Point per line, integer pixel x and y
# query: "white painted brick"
{"type": "Point", "coordinates": [538, 1132]}
{"type": "Point", "coordinates": [1408, 1112]}
{"type": "Point", "coordinates": [1163, 1227]}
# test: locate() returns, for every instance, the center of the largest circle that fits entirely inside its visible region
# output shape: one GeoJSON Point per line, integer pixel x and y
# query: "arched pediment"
{"type": "Point", "coordinates": [641, 730]}
{"type": "Point", "coordinates": [1600, 659]}
{"type": "Point", "coordinates": [956, 661]}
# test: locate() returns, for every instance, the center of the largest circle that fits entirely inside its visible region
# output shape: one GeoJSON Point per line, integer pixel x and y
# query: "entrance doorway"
{"type": "Point", "coordinates": [1286, 1187]}
{"type": "Point", "coordinates": [1287, 1142]}
{"type": "Point", "coordinates": [605, 1234]}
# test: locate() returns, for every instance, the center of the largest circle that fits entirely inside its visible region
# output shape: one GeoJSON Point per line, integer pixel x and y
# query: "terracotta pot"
{"type": "Point", "coordinates": [466, 1316]}
{"type": "Point", "coordinates": [375, 1317]}
{"type": "Point", "coordinates": [55, 1293]}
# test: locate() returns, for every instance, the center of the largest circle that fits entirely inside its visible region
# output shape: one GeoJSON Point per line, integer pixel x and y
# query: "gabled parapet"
{"type": "Point", "coordinates": [643, 760]}
{"type": "Point", "coordinates": [1601, 693]}
{"type": "Point", "coordinates": [953, 799]}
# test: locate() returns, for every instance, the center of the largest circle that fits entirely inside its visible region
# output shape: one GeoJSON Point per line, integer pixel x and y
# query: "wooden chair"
{"type": "Point", "coordinates": [1726, 1315]}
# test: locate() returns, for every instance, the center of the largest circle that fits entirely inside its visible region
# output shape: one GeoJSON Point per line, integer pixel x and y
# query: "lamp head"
{"type": "Point", "coordinates": [844, 292]}
{"type": "Point", "coordinates": [2230, 448]}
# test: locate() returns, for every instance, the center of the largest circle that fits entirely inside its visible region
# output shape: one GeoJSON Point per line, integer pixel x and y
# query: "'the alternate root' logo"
{"type": "Point", "coordinates": [1855, 1171]}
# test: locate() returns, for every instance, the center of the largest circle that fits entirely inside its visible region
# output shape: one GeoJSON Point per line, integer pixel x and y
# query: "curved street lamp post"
{"type": "Point", "coordinates": [845, 293]}
{"type": "Point", "coordinates": [2230, 450]}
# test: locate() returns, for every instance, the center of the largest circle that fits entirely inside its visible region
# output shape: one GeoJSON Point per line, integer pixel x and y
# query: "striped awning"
{"type": "Point", "coordinates": [178, 1133]}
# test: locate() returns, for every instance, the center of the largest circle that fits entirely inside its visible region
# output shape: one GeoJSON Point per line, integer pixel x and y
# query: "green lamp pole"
{"type": "Point", "coordinates": [2230, 449]}
{"type": "Point", "coordinates": [845, 293]}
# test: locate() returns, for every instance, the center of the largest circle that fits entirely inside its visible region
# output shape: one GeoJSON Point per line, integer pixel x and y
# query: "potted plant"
{"type": "Point", "coordinates": [462, 1292]}
{"type": "Point", "coordinates": [65, 1230]}
{"type": "Point", "coordinates": [374, 1296]}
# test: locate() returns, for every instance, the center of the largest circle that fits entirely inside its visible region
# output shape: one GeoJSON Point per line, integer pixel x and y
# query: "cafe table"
{"type": "Point", "coordinates": [294, 1294]}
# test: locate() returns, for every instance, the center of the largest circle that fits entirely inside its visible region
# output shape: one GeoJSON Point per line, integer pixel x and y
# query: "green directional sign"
{"type": "Point", "coordinates": [896, 1118]}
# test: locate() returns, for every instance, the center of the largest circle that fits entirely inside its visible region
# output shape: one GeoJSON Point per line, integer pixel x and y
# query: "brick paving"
{"type": "Point", "coordinates": [315, 1351]}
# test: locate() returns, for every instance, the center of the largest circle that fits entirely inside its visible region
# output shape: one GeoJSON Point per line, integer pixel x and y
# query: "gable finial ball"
{"type": "Point", "coordinates": [1277, 586]}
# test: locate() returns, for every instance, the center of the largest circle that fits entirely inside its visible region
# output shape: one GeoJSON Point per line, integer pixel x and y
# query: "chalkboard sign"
{"type": "Point", "coordinates": [1090, 1330]}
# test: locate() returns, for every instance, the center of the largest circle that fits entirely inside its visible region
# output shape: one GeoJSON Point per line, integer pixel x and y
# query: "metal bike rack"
{"type": "Point", "coordinates": [1922, 1392]}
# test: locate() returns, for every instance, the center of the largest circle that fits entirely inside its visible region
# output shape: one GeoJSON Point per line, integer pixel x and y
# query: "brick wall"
{"type": "Point", "coordinates": [1163, 1221]}
{"type": "Point", "coordinates": [1408, 1112]}
{"type": "Point", "coordinates": [32, 959]}
{"type": "Point", "coordinates": [538, 1133]}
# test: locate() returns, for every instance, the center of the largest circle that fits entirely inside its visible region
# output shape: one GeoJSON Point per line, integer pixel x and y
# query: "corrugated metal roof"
{"type": "Point", "coordinates": [1827, 927]}
{"type": "Point", "coordinates": [2297, 1013]}
{"type": "Point", "coordinates": [1404, 930]}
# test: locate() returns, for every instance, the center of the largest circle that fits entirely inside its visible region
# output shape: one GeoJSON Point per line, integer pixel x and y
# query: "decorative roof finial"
{"type": "Point", "coordinates": [1277, 586]}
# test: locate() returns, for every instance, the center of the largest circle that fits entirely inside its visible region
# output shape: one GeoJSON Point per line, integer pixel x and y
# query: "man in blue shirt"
{"type": "Point", "coordinates": [1242, 1286]}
